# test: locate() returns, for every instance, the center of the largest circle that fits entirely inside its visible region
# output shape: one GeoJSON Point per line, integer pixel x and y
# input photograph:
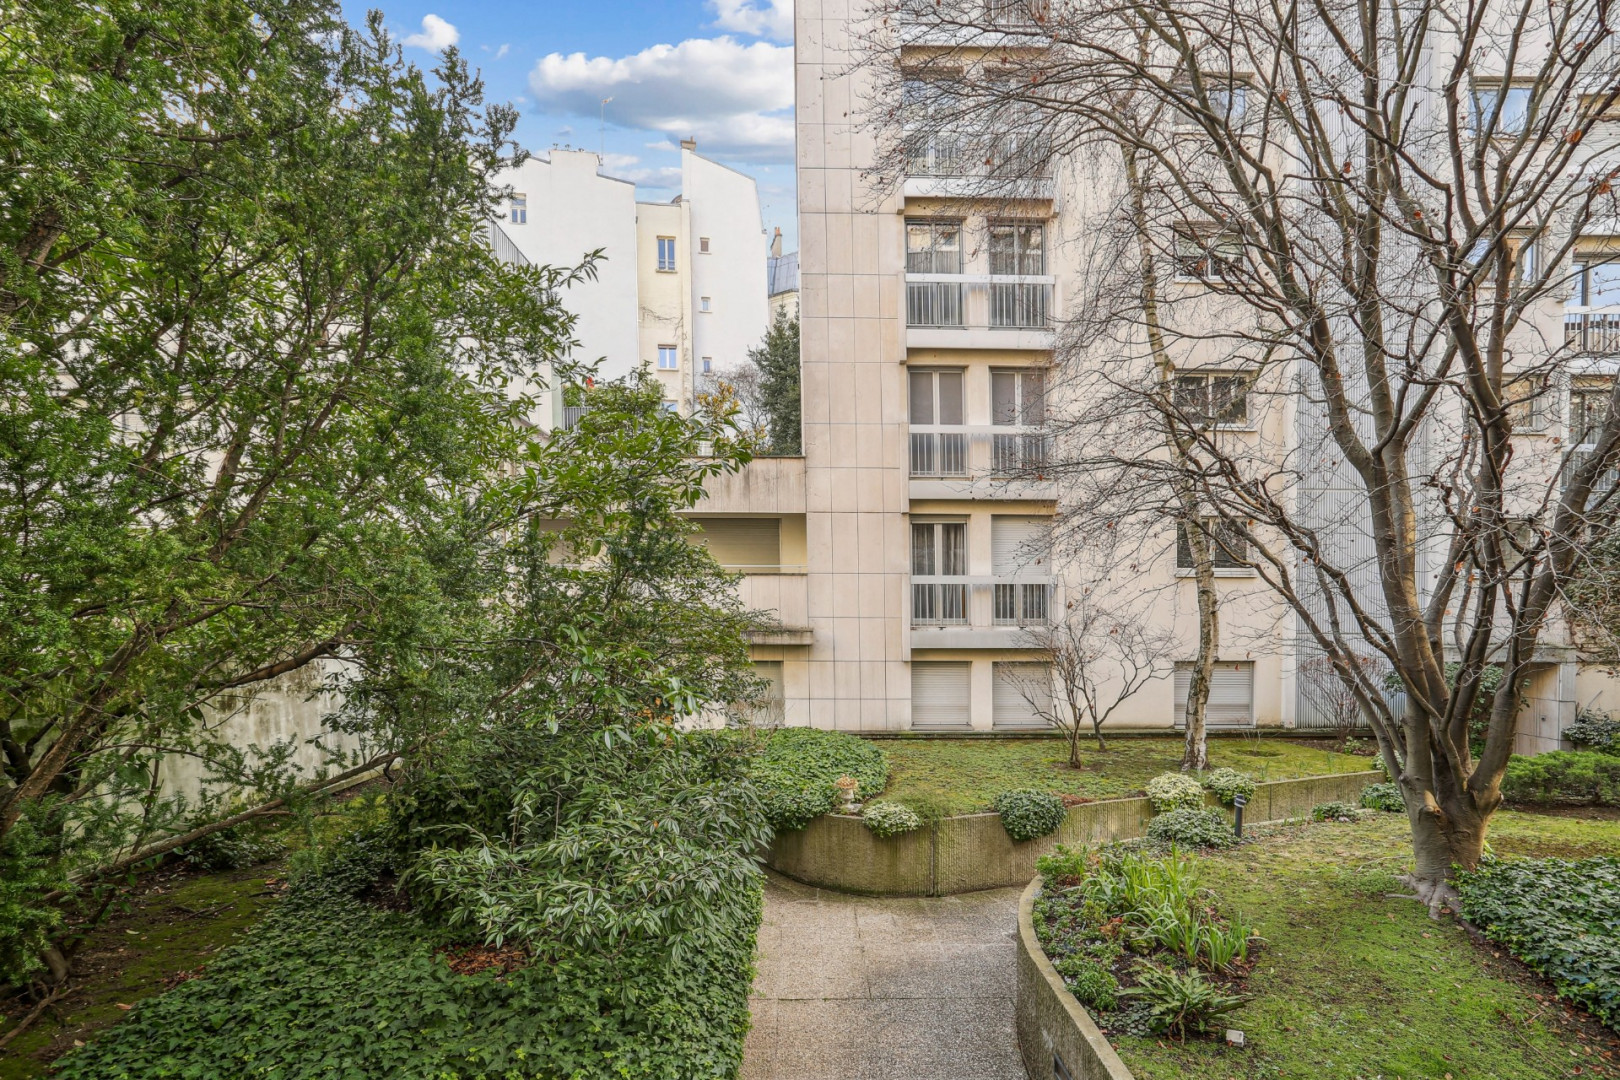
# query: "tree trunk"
{"type": "Point", "coordinates": [1096, 727]}
{"type": "Point", "coordinates": [1195, 756]}
{"type": "Point", "coordinates": [1074, 744]}
{"type": "Point", "coordinates": [1442, 839]}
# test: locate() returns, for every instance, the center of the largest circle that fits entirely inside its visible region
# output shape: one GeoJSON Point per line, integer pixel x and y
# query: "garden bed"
{"type": "Point", "coordinates": [1355, 981]}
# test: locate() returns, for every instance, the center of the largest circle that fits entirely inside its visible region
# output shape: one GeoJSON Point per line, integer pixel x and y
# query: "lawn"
{"type": "Point", "coordinates": [938, 777]}
{"type": "Point", "coordinates": [1357, 984]}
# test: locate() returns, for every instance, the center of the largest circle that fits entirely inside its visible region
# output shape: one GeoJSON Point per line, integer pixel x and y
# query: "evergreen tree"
{"type": "Point", "coordinates": [778, 361]}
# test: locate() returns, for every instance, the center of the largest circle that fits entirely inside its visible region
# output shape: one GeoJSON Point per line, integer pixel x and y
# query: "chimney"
{"type": "Point", "coordinates": [776, 243]}
{"type": "Point", "coordinates": [688, 144]}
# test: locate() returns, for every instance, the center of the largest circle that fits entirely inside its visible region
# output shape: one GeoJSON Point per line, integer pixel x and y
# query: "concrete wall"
{"type": "Point", "coordinates": [723, 205]}
{"type": "Point", "coordinates": [1051, 1025]}
{"type": "Point", "coordinates": [963, 854]}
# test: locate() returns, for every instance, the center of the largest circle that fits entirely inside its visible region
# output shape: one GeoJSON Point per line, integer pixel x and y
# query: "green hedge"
{"type": "Point", "coordinates": [333, 985]}
{"type": "Point", "coordinates": [1560, 917]}
{"type": "Point", "coordinates": [1029, 815]}
{"type": "Point", "coordinates": [1564, 776]}
{"type": "Point", "coordinates": [798, 767]}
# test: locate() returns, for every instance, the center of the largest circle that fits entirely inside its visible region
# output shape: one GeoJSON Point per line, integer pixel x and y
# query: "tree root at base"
{"type": "Point", "coordinates": [34, 1014]}
{"type": "Point", "coordinates": [1440, 896]}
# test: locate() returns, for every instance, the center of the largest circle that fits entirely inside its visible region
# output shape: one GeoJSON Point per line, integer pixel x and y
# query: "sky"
{"type": "Point", "coordinates": [720, 71]}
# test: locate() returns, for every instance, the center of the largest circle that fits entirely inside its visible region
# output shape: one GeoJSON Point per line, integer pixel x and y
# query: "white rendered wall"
{"type": "Point", "coordinates": [723, 205]}
{"type": "Point", "coordinates": [665, 316]}
{"type": "Point", "coordinates": [573, 210]}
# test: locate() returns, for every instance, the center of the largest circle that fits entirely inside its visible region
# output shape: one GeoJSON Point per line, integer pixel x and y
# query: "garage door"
{"type": "Point", "coordinates": [1231, 694]}
{"type": "Point", "coordinates": [939, 695]}
{"type": "Point", "coordinates": [1022, 697]}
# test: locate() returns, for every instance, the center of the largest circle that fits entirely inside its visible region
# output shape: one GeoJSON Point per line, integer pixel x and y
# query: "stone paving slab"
{"type": "Point", "coordinates": [869, 988]}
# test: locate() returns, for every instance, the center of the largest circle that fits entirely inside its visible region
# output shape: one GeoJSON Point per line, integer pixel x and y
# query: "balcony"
{"type": "Point", "coordinates": [985, 24]}
{"type": "Point", "coordinates": [980, 311]}
{"type": "Point", "coordinates": [960, 165]}
{"type": "Point", "coordinates": [999, 462]}
{"type": "Point", "coordinates": [996, 612]}
{"type": "Point", "coordinates": [1592, 330]}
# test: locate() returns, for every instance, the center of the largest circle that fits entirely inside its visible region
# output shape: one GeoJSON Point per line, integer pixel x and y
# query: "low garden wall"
{"type": "Point", "coordinates": [1056, 1036]}
{"type": "Point", "coordinates": [962, 854]}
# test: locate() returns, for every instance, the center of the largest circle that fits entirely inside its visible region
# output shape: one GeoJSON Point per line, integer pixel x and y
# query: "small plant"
{"type": "Point", "coordinates": [1175, 791]}
{"type": "Point", "coordinates": [1191, 828]}
{"type": "Point", "coordinates": [1386, 797]}
{"type": "Point", "coordinates": [1180, 1003]}
{"type": "Point", "coordinates": [1333, 811]}
{"type": "Point", "coordinates": [1066, 865]}
{"type": "Point", "coordinates": [1593, 730]}
{"type": "Point", "coordinates": [1226, 946]}
{"type": "Point", "coordinates": [1027, 815]}
{"type": "Point", "coordinates": [890, 818]}
{"type": "Point", "coordinates": [1227, 784]}
{"type": "Point", "coordinates": [1092, 984]}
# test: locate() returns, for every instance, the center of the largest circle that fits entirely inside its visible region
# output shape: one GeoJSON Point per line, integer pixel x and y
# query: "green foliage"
{"type": "Point", "coordinates": [1333, 811]}
{"type": "Point", "coordinates": [247, 844]}
{"type": "Point", "coordinates": [1228, 784]}
{"type": "Point", "coordinates": [1180, 1002]}
{"type": "Point", "coordinates": [1385, 797]}
{"type": "Point", "coordinates": [798, 768]}
{"type": "Point", "coordinates": [1175, 791]}
{"type": "Point", "coordinates": [27, 871]}
{"type": "Point", "coordinates": [890, 818]}
{"type": "Point", "coordinates": [1598, 731]}
{"type": "Point", "coordinates": [777, 358]}
{"type": "Point", "coordinates": [1091, 983]}
{"type": "Point", "coordinates": [1191, 828]}
{"type": "Point", "coordinates": [1579, 776]}
{"type": "Point", "coordinates": [1562, 917]}
{"type": "Point", "coordinates": [1027, 815]}
{"type": "Point", "coordinates": [331, 984]}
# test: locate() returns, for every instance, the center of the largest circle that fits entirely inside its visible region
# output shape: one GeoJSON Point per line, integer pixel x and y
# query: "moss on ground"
{"type": "Point", "coordinates": [1356, 984]}
{"type": "Point", "coordinates": [938, 777]}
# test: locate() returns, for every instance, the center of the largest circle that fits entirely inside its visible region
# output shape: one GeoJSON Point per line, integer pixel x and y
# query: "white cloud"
{"type": "Point", "coordinates": [774, 21]}
{"type": "Point", "coordinates": [436, 36]}
{"type": "Point", "coordinates": [500, 53]}
{"type": "Point", "coordinates": [736, 99]}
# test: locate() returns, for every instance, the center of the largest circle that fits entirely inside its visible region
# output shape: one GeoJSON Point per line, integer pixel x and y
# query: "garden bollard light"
{"type": "Point", "coordinates": [1238, 803]}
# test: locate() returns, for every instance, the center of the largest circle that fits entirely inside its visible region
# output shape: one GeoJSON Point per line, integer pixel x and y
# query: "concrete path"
{"type": "Point", "coordinates": [858, 988]}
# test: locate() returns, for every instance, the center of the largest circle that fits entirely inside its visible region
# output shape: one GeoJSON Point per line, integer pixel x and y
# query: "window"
{"type": "Point", "coordinates": [708, 364]}
{"type": "Point", "coordinates": [936, 398]}
{"type": "Point", "coordinates": [1228, 100]}
{"type": "Point", "coordinates": [1020, 548]}
{"type": "Point", "coordinates": [668, 358]}
{"type": "Point", "coordinates": [1597, 284]}
{"type": "Point", "coordinates": [1214, 256]}
{"type": "Point", "coordinates": [704, 304]}
{"type": "Point", "coordinates": [703, 245]}
{"type": "Point", "coordinates": [938, 550]}
{"type": "Point", "coordinates": [1219, 398]}
{"type": "Point", "coordinates": [1500, 110]}
{"type": "Point", "coordinates": [666, 254]}
{"type": "Point", "coordinates": [1231, 694]}
{"type": "Point", "coordinates": [933, 247]}
{"type": "Point", "coordinates": [520, 209]}
{"type": "Point", "coordinates": [1228, 548]}
{"type": "Point", "coordinates": [1528, 405]}
{"type": "Point", "coordinates": [1021, 695]}
{"type": "Point", "coordinates": [939, 694]}
{"type": "Point", "coordinates": [670, 406]}
{"type": "Point", "coordinates": [1018, 249]}
{"type": "Point", "coordinates": [1018, 397]}
{"type": "Point", "coordinates": [1588, 408]}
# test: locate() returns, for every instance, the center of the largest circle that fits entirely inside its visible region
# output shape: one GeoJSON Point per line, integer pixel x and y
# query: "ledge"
{"type": "Point", "coordinates": [1054, 1028]}
{"type": "Point", "coordinates": [966, 337]}
{"type": "Point", "coordinates": [787, 635]}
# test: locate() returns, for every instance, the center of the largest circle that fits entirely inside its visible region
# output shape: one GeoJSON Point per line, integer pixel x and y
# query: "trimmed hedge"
{"type": "Point", "coordinates": [1175, 791]}
{"type": "Point", "coordinates": [1191, 828]}
{"type": "Point", "coordinates": [1027, 815]}
{"type": "Point", "coordinates": [1566, 776]}
{"type": "Point", "coordinates": [890, 818]}
{"type": "Point", "coordinates": [1560, 916]}
{"type": "Point", "coordinates": [798, 768]}
{"type": "Point", "coordinates": [1227, 784]}
{"type": "Point", "coordinates": [333, 985]}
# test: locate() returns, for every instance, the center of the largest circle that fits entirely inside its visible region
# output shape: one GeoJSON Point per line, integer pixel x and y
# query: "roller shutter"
{"type": "Point", "coordinates": [744, 544]}
{"type": "Point", "coordinates": [1014, 685]}
{"type": "Point", "coordinates": [1018, 544]}
{"type": "Point", "coordinates": [939, 695]}
{"type": "Point", "coordinates": [1231, 694]}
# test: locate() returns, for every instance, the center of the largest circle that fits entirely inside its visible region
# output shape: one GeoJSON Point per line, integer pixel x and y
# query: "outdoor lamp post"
{"type": "Point", "coordinates": [1238, 803]}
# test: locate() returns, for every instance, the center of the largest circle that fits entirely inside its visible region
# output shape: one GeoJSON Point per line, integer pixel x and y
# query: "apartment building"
{"type": "Point", "coordinates": [904, 552]}
{"type": "Point", "coordinates": [680, 286]}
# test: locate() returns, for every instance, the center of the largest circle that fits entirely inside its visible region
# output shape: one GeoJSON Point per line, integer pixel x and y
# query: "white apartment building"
{"type": "Point", "coordinates": [897, 552]}
{"type": "Point", "coordinates": [680, 286]}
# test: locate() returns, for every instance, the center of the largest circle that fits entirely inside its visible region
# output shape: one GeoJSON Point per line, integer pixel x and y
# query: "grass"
{"type": "Point", "coordinates": [939, 777]}
{"type": "Point", "coordinates": [1356, 984]}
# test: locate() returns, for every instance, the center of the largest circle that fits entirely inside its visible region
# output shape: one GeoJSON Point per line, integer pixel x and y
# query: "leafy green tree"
{"type": "Point", "coordinates": [777, 358]}
{"type": "Point", "coordinates": [263, 382]}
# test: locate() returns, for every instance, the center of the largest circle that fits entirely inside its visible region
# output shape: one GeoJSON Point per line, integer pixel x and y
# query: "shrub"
{"type": "Point", "coordinates": [1557, 915]}
{"type": "Point", "coordinates": [1191, 828]}
{"type": "Point", "coordinates": [1179, 1003]}
{"type": "Point", "coordinates": [1091, 983]}
{"type": "Point", "coordinates": [247, 844]}
{"type": "Point", "coordinates": [1595, 731]}
{"type": "Point", "coordinates": [1228, 784]}
{"type": "Point", "coordinates": [1027, 815]}
{"type": "Point", "coordinates": [890, 818]}
{"type": "Point", "coordinates": [1564, 776]}
{"type": "Point", "coordinates": [799, 767]}
{"type": "Point", "coordinates": [1333, 811]}
{"type": "Point", "coordinates": [1175, 791]}
{"type": "Point", "coordinates": [1386, 797]}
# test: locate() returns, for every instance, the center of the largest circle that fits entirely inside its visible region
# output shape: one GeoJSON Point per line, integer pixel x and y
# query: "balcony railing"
{"type": "Point", "coordinates": [979, 301]}
{"type": "Point", "coordinates": [998, 14]}
{"type": "Point", "coordinates": [957, 154]}
{"type": "Point", "coordinates": [1013, 600]}
{"type": "Point", "coordinates": [1596, 331]}
{"type": "Point", "coordinates": [938, 602]}
{"type": "Point", "coordinates": [992, 452]}
{"type": "Point", "coordinates": [939, 453]}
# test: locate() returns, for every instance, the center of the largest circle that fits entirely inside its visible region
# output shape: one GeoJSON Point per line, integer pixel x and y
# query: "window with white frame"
{"type": "Point", "coordinates": [1018, 397]}
{"type": "Point", "coordinates": [1228, 99]}
{"type": "Point", "coordinates": [520, 209]}
{"type": "Point", "coordinates": [708, 364]}
{"type": "Point", "coordinates": [1020, 553]}
{"type": "Point", "coordinates": [1588, 409]}
{"type": "Point", "coordinates": [668, 358]}
{"type": "Point", "coordinates": [938, 551]}
{"type": "Point", "coordinates": [1017, 248]}
{"type": "Point", "coordinates": [1597, 282]}
{"type": "Point", "coordinates": [1219, 398]}
{"type": "Point", "coordinates": [1210, 256]}
{"type": "Point", "coordinates": [1500, 110]}
{"type": "Point", "coordinates": [936, 400]}
{"type": "Point", "coordinates": [933, 247]}
{"type": "Point", "coordinates": [1529, 402]}
{"type": "Point", "coordinates": [666, 254]}
{"type": "Point", "coordinates": [705, 304]}
{"type": "Point", "coordinates": [1228, 547]}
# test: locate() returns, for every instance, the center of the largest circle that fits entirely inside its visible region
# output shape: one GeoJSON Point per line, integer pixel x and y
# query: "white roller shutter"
{"type": "Point", "coordinates": [743, 543]}
{"type": "Point", "coordinates": [1231, 694]}
{"type": "Point", "coordinates": [1018, 544]}
{"type": "Point", "coordinates": [1014, 686]}
{"type": "Point", "coordinates": [939, 694]}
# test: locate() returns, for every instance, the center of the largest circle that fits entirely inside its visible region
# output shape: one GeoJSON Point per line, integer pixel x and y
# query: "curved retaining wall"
{"type": "Point", "coordinates": [1054, 1030]}
{"type": "Point", "coordinates": [962, 854]}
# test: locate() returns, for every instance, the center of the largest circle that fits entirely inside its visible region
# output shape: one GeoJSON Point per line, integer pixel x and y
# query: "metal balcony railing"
{"type": "Point", "coordinates": [572, 414]}
{"type": "Point", "coordinates": [1016, 454]}
{"type": "Point", "coordinates": [938, 602]}
{"type": "Point", "coordinates": [1021, 603]}
{"type": "Point", "coordinates": [934, 303]}
{"type": "Point", "coordinates": [1595, 331]}
{"type": "Point", "coordinates": [979, 301]}
{"type": "Point", "coordinates": [1008, 600]}
{"type": "Point", "coordinates": [999, 451]}
{"type": "Point", "coordinates": [945, 154]}
{"type": "Point", "coordinates": [939, 453]}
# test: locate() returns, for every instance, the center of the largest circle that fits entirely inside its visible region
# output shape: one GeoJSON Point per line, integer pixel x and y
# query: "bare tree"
{"type": "Point", "coordinates": [1100, 659]}
{"type": "Point", "coordinates": [1369, 213]}
{"type": "Point", "coordinates": [1333, 695]}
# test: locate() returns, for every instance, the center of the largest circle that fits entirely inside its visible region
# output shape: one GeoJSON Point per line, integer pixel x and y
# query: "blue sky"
{"type": "Point", "coordinates": [717, 70]}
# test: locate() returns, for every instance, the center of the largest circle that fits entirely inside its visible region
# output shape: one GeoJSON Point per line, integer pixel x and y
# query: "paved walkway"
{"type": "Point", "coordinates": [858, 988]}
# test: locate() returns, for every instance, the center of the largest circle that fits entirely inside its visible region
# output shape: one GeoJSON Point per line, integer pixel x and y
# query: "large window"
{"type": "Point", "coordinates": [1220, 398]}
{"type": "Point", "coordinates": [520, 209]}
{"type": "Point", "coordinates": [1018, 248]}
{"type": "Point", "coordinates": [936, 401]}
{"type": "Point", "coordinates": [1020, 548]}
{"type": "Point", "coordinates": [1597, 284]}
{"type": "Point", "coordinates": [1228, 548]}
{"type": "Point", "coordinates": [1018, 398]}
{"type": "Point", "coordinates": [668, 358]}
{"type": "Point", "coordinates": [1588, 408]}
{"type": "Point", "coordinates": [666, 254]}
{"type": "Point", "coordinates": [933, 247]}
{"type": "Point", "coordinates": [938, 550]}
